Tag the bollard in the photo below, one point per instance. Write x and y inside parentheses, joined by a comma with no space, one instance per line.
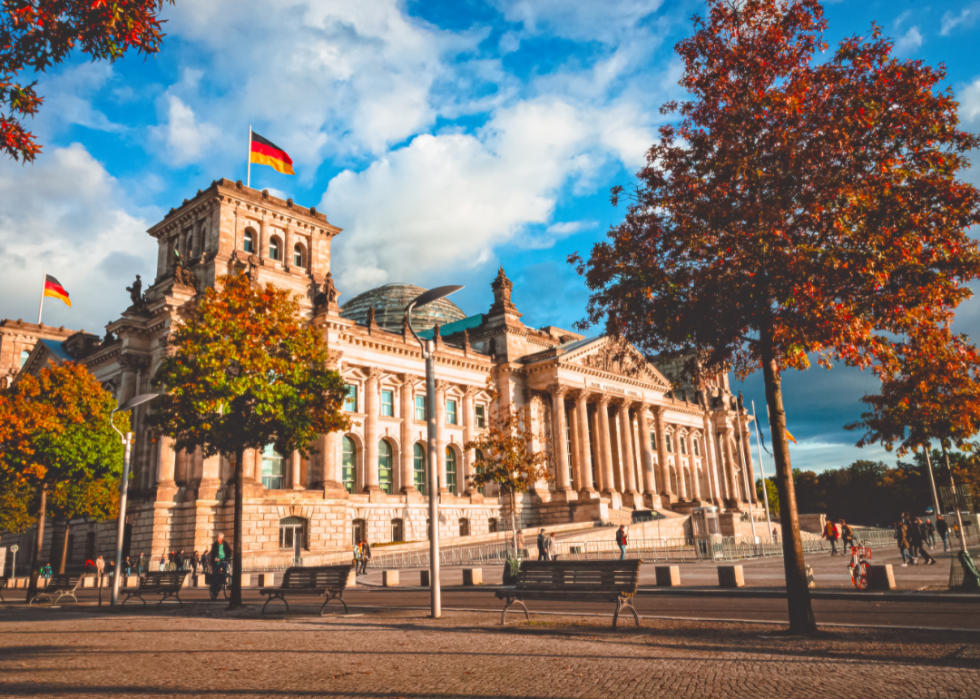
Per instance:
(352,578)
(882,578)
(267,579)
(668,576)
(389,578)
(731,576)
(472,576)
(424,578)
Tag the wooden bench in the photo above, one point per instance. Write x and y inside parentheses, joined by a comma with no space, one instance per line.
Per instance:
(324,581)
(61,585)
(167,584)
(586,581)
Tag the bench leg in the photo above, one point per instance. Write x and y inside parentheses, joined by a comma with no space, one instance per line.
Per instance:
(278,597)
(625,603)
(333,597)
(510,602)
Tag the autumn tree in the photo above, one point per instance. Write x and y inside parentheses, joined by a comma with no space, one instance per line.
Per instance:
(930,390)
(95,498)
(506,457)
(38,34)
(802,205)
(245,370)
(56,435)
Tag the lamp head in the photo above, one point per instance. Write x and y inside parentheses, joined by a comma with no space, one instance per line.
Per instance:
(136,400)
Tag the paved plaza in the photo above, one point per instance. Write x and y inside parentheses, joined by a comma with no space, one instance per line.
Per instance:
(201,651)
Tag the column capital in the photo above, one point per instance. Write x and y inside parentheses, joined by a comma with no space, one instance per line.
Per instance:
(333,359)
(374,373)
(557,390)
(579,394)
(658,410)
(470,391)
(442,385)
(604,399)
(641,406)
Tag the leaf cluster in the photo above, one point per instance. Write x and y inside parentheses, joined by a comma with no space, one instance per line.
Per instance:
(505,455)
(243,371)
(799,207)
(38,34)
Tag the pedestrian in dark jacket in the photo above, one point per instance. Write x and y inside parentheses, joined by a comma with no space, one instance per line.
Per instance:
(930,533)
(942,528)
(141,564)
(542,554)
(195,561)
(902,539)
(847,534)
(917,537)
(621,541)
(179,560)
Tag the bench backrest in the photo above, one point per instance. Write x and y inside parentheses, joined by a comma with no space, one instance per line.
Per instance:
(616,577)
(167,579)
(3,583)
(62,582)
(318,578)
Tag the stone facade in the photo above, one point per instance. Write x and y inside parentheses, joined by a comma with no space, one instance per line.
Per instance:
(618,438)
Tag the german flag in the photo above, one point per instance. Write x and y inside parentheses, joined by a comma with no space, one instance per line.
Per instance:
(54,289)
(265,152)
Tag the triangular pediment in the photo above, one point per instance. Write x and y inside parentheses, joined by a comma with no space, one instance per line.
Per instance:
(615,358)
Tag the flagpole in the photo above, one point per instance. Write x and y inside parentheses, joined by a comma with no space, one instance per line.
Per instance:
(762,472)
(248,174)
(41,305)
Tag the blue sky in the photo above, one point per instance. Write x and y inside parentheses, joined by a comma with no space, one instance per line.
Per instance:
(445,138)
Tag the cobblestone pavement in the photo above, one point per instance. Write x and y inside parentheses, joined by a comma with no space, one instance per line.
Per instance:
(198,651)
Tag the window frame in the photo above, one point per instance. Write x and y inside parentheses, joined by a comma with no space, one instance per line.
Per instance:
(248,242)
(298,524)
(351,395)
(349,484)
(451,475)
(269,455)
(452,415)
(387,408)
(386,466)
(480,416)
(669,443)
(299,250)
(25,354)
(276,244)
(420,408)
(418,474)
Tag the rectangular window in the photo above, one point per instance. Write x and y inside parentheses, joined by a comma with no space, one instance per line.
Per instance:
(451,412)
(653,441)
(350,403)
(670,446)
(273,469)
(388,403)
(697,448)
(683,443)
(420,407)
(481,416)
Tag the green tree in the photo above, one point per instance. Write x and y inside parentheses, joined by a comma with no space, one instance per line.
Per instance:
(57,434)
(16,507)
(805,204)
(88,497)
(245,370)
(772,495)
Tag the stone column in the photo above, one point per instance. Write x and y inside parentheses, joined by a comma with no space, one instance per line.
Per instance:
(711,463)
(559,436)
(295,471)
(646,453)
(440,402)
(165,464)
(210,478)
(469,433)
(408,444)
(695,481)
(371,400)
(663,471)
(605,446)
(747,451)
(584,445)
(729,455)
(626,452)
(263,240)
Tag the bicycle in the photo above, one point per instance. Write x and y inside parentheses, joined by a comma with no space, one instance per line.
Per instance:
(223,579)
(859,567)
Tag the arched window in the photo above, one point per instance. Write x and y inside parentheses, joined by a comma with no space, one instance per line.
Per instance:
(384,465)
(464,527)
(273,474)
(397,530)
(479,469)
(275,249)
(24,354)
(350,454)
(291,530)
(419,468)
(451,470)
(248,242)
(298,255)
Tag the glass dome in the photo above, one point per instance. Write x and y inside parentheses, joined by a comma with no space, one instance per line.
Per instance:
(389,302)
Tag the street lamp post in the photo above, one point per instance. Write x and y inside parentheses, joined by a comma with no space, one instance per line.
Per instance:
(428,352)
(127,441)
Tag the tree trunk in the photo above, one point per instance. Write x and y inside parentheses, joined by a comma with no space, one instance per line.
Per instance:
(235,598)
(513,521)
(801,619)
(36,555)
(64,548)
(956,498)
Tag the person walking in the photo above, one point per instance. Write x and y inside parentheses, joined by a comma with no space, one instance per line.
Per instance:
(542,554)
(179,560)
(902,539)
(552,547)
(221,553)
(830,533)
(621,541)
(163,562)
(917,537)
(847,535)
(942,528)
(99,570)
(365,556)
(520,543)
(195,561)
(127,567)
(141,564)
(357,558)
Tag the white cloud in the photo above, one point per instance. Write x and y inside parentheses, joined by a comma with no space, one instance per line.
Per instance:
(966,18)
(583,21)
(447,201)
(910,41)
(68,99)
(186,139)
(71,219)
(970,104)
